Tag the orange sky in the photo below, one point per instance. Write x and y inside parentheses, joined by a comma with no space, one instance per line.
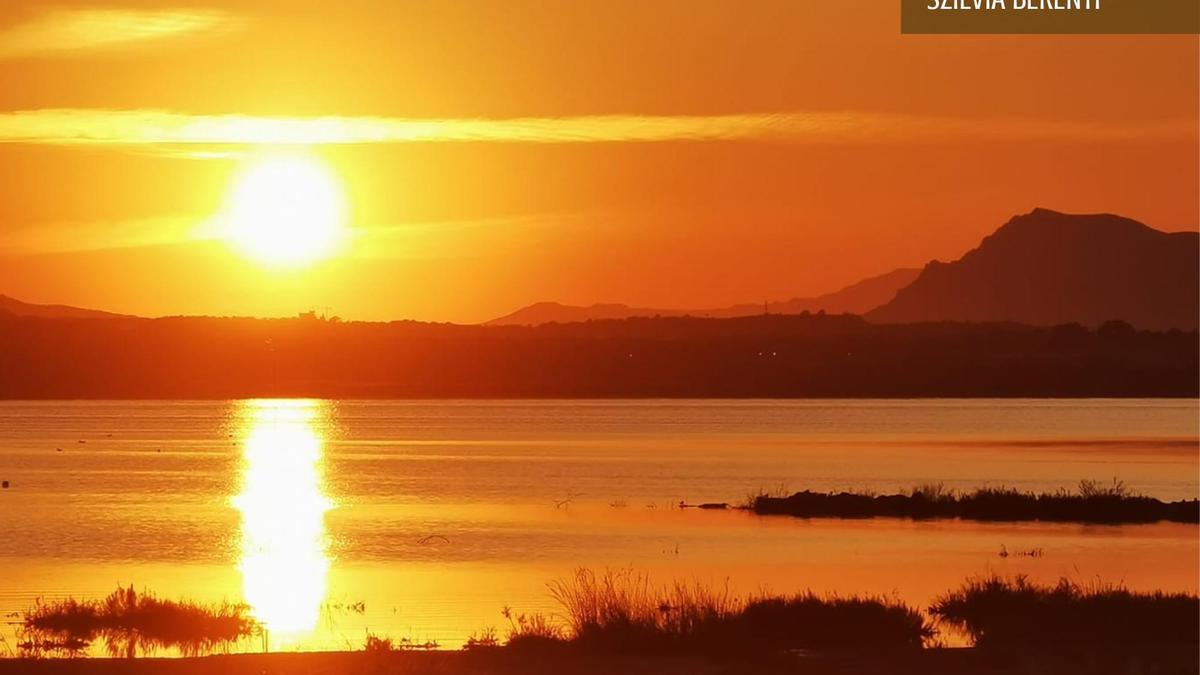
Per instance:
(887,150)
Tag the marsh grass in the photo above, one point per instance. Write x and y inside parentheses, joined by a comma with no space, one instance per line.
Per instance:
(376,644)
(1017,614)
(484,639)
(622,609)
(129,623)
(535,628)
(1090,489)
(1092,502)
(934,493)
(780,491)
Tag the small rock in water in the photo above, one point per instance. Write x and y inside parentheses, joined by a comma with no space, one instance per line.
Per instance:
(4,484)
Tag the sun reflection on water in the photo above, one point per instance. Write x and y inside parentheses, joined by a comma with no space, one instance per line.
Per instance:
(284,559)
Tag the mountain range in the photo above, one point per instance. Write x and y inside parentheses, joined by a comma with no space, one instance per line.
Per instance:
(1042,268)
(856,298)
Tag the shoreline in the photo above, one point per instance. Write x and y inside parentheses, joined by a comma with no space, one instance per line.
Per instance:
(566,661)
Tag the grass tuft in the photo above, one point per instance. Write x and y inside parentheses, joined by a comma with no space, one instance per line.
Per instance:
(130,623)
(378,645)
(484,639)
(1016,614)
(529,629)
(621,609)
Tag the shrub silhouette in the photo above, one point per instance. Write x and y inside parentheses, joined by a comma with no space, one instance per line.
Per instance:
(1016,614)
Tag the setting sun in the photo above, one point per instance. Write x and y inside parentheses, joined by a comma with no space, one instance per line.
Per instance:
(286,210)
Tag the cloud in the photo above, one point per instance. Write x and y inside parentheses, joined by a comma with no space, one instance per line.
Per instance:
(407,240)
(67,237)
(166,128)
(71,30)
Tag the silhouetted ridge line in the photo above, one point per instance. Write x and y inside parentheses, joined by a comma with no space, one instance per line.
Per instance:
(1049,268)
(856,298)
(19,308)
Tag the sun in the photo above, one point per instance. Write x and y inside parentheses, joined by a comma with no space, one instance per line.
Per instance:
(286,210)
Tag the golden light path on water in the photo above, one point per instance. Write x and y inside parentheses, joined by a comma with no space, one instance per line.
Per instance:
(283,560)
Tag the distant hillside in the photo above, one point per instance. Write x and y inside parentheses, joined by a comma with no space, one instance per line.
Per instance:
(1047,268)
(556,312)
(857,298)
(18,308)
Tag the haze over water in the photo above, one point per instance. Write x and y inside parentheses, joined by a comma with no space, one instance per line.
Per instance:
(437,514)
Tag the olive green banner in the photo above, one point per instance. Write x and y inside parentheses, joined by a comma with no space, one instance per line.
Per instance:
(1112,17)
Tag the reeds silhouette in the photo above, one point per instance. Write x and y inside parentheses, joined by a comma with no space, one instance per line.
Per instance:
(622,609)
(377,644)
(532,629)
(131,623)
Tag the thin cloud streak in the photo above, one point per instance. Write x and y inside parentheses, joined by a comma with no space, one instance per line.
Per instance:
(72,237)
(72,30)
(159,127)
(401,240)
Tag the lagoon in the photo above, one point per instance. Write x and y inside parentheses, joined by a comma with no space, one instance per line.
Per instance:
(423,519)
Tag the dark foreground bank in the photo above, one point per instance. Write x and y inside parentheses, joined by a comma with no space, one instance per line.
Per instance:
(565,661)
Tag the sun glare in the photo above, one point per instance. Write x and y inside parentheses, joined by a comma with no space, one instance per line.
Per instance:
(286,210)
(284,562)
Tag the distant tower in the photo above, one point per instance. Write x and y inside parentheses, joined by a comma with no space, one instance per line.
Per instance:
(765,311)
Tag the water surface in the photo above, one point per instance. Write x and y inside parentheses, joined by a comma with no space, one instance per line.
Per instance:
(438,514)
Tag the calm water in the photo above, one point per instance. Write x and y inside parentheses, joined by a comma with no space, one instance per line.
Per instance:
(439,514)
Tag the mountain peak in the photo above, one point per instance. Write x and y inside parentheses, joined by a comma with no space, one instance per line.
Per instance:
(1047,267)
(1089,223)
